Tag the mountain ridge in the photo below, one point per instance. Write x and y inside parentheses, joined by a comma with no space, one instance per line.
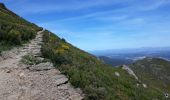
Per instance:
(156,71)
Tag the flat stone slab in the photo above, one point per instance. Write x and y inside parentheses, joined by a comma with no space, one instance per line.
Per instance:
(42,66)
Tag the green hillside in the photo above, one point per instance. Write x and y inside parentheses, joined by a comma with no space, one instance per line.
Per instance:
(14,30)
(155,72)
(97,80)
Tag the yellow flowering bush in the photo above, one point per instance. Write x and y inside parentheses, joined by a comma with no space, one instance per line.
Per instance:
(65,47)
(60,51)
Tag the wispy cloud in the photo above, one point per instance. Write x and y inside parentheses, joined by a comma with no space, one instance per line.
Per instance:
(111,15)
(153,4)
(104,24)
(40,6)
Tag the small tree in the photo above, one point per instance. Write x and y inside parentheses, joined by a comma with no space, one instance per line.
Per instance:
(63,40)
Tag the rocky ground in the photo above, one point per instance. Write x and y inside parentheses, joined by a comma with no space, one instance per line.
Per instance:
(41,81)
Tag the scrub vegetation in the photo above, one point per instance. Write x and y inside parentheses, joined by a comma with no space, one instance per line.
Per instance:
(97,80)
(14,30)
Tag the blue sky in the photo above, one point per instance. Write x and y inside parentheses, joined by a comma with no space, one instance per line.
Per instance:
(101,24)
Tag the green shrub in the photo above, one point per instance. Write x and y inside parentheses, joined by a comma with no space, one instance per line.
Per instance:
(30,60)
(14,37)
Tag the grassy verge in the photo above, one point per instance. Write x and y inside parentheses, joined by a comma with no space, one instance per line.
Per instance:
(4,47)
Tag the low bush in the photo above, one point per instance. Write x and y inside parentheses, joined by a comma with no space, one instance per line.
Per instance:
(30,60)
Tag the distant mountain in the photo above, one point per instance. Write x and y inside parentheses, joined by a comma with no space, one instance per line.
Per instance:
(115,61)
(146,50)
(153,71)
(128,56)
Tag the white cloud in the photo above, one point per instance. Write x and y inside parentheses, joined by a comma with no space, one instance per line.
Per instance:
(29,6)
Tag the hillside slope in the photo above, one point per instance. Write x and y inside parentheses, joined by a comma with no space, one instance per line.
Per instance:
(14,30)
(155,72)
(97,80)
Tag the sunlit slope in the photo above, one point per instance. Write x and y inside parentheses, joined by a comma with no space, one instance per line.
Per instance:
(155,72)
(14,30)
(97,80)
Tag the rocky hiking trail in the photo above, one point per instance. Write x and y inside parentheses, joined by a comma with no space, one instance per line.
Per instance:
(19,81)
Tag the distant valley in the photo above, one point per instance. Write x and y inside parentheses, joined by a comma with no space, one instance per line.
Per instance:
(150,65)
(129,56)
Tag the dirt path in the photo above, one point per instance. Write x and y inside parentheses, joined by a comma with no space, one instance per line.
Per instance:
(37,82)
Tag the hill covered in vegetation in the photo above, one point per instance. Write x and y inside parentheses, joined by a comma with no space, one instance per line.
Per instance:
(97,80)
(14,30)
(115,61)
(155,72)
